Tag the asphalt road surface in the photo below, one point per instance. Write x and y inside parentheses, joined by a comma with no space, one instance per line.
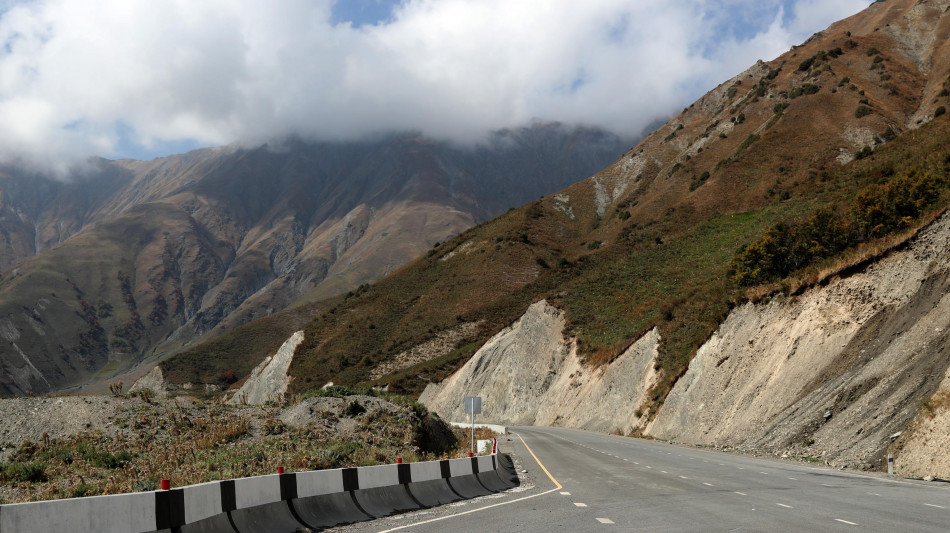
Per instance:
(581,481)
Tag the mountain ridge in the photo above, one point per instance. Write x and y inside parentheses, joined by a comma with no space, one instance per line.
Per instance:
(141,258)
(648,241)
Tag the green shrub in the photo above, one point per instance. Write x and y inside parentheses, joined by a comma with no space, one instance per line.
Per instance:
(23,471)
(698,181)
(747,143)
(354,408)
(864,152)
(862,111)
(84,489)
(940,111)
(806,64)
(877,210)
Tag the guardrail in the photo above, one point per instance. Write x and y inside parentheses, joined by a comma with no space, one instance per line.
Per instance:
(279,502)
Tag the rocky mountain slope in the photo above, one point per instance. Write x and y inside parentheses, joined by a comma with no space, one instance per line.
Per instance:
(841,140)
(649,241)
(133,259)
(834,374)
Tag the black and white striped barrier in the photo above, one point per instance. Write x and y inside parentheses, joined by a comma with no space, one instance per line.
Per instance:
(280,502)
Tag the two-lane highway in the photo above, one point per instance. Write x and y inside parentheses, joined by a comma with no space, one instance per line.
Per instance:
(587,481)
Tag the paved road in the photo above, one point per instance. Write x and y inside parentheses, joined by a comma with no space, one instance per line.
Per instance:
(583,481)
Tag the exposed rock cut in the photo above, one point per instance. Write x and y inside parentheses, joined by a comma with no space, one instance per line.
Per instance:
(922,449)
(832,373)
(154,381)
(530,374)
(268,381)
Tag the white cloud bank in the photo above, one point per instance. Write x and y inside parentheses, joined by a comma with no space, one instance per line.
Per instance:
(84,77)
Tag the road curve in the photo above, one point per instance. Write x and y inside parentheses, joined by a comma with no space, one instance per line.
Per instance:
(582,481)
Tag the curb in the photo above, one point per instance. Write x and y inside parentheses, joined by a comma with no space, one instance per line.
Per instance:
(312,499)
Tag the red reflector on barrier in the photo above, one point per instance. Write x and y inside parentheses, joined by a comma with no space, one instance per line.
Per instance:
(470,454)
(280,470)
(166,484)
(399,460)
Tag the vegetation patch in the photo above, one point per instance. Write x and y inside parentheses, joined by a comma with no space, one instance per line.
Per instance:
(878,210)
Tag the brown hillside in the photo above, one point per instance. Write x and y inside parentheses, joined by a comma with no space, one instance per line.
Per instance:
(132,260)
(649,240)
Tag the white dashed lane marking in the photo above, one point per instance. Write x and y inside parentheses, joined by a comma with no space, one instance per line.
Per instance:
(937,506)
(707,484)
(605,521)
(741,493)
(565,494)
(579,504)
(785,506)
(845,522)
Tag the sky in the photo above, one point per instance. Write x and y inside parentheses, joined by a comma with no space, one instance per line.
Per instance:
(146,78)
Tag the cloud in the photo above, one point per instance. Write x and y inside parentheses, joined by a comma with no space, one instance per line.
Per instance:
(107,77)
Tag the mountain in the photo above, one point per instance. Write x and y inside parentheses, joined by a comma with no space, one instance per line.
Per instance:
(794,171)
(128,260)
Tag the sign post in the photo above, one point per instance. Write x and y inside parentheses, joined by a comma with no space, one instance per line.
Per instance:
(473,405)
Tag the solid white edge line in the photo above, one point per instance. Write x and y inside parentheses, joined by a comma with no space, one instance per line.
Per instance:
(937,506)
(470,511)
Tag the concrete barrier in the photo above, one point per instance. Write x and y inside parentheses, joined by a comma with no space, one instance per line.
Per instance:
(280,502)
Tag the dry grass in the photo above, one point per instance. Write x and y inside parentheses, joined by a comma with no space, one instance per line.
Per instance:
(191,442)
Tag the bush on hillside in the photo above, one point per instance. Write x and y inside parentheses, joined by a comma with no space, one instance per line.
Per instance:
(878,210)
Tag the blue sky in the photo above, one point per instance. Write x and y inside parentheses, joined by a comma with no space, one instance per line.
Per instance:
(362,12)
(145,79)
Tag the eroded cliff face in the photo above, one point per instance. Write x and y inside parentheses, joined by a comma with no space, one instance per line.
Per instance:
(268,381)
(842,373)
(530,374)
(830,374)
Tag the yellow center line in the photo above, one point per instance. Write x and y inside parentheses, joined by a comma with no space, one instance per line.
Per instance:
(539,461)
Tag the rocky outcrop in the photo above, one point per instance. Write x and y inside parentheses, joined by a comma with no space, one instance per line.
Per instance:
(153,381)
(922,449)
(835,374)
(530,374)
(268,381)
(832,373)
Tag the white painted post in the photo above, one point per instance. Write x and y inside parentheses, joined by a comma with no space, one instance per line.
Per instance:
(473,404)
(890,463)
(473,431)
